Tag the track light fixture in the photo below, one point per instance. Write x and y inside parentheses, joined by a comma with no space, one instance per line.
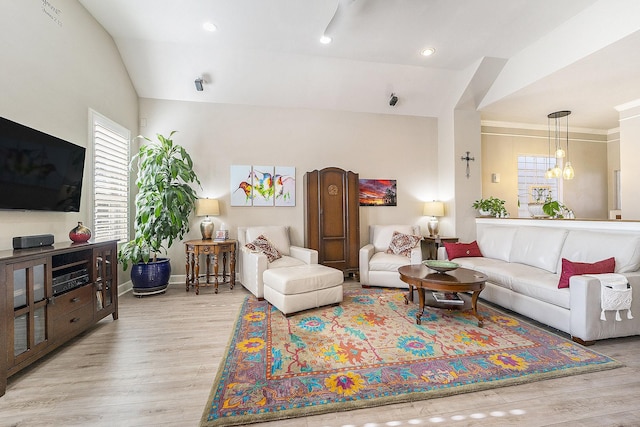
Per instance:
(393,100)
(199,83)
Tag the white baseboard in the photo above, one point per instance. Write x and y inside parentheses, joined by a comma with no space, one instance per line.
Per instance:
(176,280)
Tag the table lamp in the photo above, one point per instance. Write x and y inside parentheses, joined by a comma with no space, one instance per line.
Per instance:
(433,209)
(206,207)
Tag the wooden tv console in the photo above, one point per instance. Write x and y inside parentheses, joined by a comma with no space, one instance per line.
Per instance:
(48,295)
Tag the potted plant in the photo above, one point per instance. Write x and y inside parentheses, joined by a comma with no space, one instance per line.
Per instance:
(540,195)
(555,209)
(163,204)
(490,207)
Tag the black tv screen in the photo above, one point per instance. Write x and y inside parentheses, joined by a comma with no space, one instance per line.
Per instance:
(38,171)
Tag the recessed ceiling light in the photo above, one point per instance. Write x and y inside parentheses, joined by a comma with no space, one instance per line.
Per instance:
(209,26)
(325,39)
(428,51)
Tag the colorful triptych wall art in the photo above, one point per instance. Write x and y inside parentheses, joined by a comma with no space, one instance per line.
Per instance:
(263,186)
(378,192)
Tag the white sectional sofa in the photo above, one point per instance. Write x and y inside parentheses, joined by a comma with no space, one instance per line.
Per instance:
(523,261)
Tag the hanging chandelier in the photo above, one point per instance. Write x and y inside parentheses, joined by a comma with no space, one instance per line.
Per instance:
(556,172)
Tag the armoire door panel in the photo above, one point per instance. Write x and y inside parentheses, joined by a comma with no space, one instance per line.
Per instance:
(334,250)
(332,217)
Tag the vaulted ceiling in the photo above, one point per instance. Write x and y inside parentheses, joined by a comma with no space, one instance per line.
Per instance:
(513,60)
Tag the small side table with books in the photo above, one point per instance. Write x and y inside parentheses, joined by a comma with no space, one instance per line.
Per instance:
(432,243)
(212,249)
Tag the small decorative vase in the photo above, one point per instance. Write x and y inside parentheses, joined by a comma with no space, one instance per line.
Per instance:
(80,234)
(535,209)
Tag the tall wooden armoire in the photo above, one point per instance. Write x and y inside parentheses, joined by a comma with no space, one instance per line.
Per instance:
(332,219)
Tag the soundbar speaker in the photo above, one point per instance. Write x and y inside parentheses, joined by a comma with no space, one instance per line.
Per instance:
(24,242)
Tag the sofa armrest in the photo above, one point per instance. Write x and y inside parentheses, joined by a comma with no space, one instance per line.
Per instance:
(442,254)
(308,256)
(365,254)
(585,310)
(416,254)
(253,265)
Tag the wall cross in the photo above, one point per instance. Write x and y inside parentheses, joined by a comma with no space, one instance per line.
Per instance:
(467,159)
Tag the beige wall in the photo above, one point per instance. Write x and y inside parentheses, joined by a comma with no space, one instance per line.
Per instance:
(629,154)
(52,73)
(217,136)
(586,194)
(613,164)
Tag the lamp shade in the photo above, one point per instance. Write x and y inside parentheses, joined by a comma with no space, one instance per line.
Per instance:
(433,209)
(205,207)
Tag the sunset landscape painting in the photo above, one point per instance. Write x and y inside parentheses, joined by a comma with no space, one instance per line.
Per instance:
(378,192)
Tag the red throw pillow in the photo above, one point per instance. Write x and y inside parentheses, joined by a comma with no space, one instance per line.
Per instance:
(570,268)
(462,250)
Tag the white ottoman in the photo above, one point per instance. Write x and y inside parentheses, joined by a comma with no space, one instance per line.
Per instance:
(293,289)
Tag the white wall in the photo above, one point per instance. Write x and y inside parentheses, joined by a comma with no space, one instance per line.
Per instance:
(380,146)
(57,62)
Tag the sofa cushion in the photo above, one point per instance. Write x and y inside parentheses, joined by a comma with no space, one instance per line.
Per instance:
(543,286)
(570,268)
(401,244)
(592,246)
(458,250)
(538,247)
(262,244)
(498,272)
(286,261)
(520,278)
(278,235)
(382,261)
(303,279)
(381,235)
(495,242)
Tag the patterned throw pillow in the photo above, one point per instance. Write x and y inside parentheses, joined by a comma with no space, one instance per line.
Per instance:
(263,245)
(401,244)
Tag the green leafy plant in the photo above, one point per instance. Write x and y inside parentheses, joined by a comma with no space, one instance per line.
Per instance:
(492,205)
(164,201)
(555,209)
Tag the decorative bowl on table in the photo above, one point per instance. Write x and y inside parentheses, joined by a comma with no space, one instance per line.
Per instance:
(440,266)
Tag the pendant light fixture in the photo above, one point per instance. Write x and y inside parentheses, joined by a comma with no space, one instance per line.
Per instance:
(549,173)
(567,172)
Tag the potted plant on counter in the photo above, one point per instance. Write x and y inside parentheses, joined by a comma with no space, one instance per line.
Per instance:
(492,206)
(164,203)
(544,206)
(540,196)
(556,210)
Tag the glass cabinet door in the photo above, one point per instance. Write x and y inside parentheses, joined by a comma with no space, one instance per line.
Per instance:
(105,262)
(29,306)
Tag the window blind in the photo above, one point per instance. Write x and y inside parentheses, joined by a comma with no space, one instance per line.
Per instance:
(111,180)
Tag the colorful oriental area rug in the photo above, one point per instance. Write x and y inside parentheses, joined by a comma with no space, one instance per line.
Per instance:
(369,352)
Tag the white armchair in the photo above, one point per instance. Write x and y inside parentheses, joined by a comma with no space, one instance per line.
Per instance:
(378,268)
(253,264)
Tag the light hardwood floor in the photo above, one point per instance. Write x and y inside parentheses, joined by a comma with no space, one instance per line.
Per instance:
(155,367)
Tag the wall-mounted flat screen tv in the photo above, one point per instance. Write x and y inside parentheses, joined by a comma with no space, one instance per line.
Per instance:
(38,171)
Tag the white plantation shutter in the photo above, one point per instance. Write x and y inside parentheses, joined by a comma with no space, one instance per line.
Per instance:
(531,169)
(111,179)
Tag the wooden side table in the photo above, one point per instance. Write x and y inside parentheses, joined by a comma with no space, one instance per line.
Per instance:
(193,249)
(432,243)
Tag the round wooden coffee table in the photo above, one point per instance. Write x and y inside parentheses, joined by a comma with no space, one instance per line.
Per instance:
(458,280)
